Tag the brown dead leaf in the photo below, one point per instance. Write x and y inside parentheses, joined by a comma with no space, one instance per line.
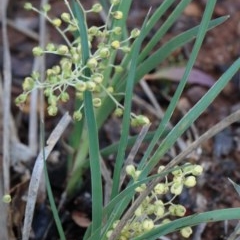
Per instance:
(193,10)
(81,219)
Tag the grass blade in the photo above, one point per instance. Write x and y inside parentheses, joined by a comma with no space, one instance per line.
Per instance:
(96,179)
(200,36)
(127,112)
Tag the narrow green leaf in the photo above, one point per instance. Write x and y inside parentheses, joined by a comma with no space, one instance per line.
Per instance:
(96,179)
(193,220)
(197,45)
(127,112)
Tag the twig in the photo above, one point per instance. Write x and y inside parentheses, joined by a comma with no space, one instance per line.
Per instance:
(134,150)
(234,117)
(37,174)
(29,33)
(6,98)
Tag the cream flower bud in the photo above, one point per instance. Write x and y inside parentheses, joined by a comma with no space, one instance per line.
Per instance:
(46,7)
(57,22)
(91,86)
(97,8)
(6,198)
(110,89)
(97,78)
(37,51)
(117,15)
(117,30)
(135,33)
(52,110)
(115,44)
(150,209)
(186,232)
(62,49)
(159,211)
(97,102)
(118,69)
(141,188)
(77,116)
(115,2)
(66,17)
(160,169)
(81,86)
(180,210)
(176,188)
(197,170)
(21,98)
(28,84)
(190,181)
(130,170)
(118,112)
(92,63)
(148,224)
(159,188)
(64,96)
(28,6)
(50,47)
(104,52)
(139,211)
(177,171)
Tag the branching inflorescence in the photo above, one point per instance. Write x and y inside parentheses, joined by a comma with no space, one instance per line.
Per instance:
(70,70)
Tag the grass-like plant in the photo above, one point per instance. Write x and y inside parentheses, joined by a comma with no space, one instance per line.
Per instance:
(138,211)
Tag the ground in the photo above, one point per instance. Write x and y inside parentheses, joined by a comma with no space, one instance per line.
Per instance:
(220,156)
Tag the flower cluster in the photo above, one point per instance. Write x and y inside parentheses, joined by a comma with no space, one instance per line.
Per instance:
(153,211)
(70,72)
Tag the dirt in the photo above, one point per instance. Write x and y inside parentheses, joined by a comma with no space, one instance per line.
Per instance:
(220,155)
